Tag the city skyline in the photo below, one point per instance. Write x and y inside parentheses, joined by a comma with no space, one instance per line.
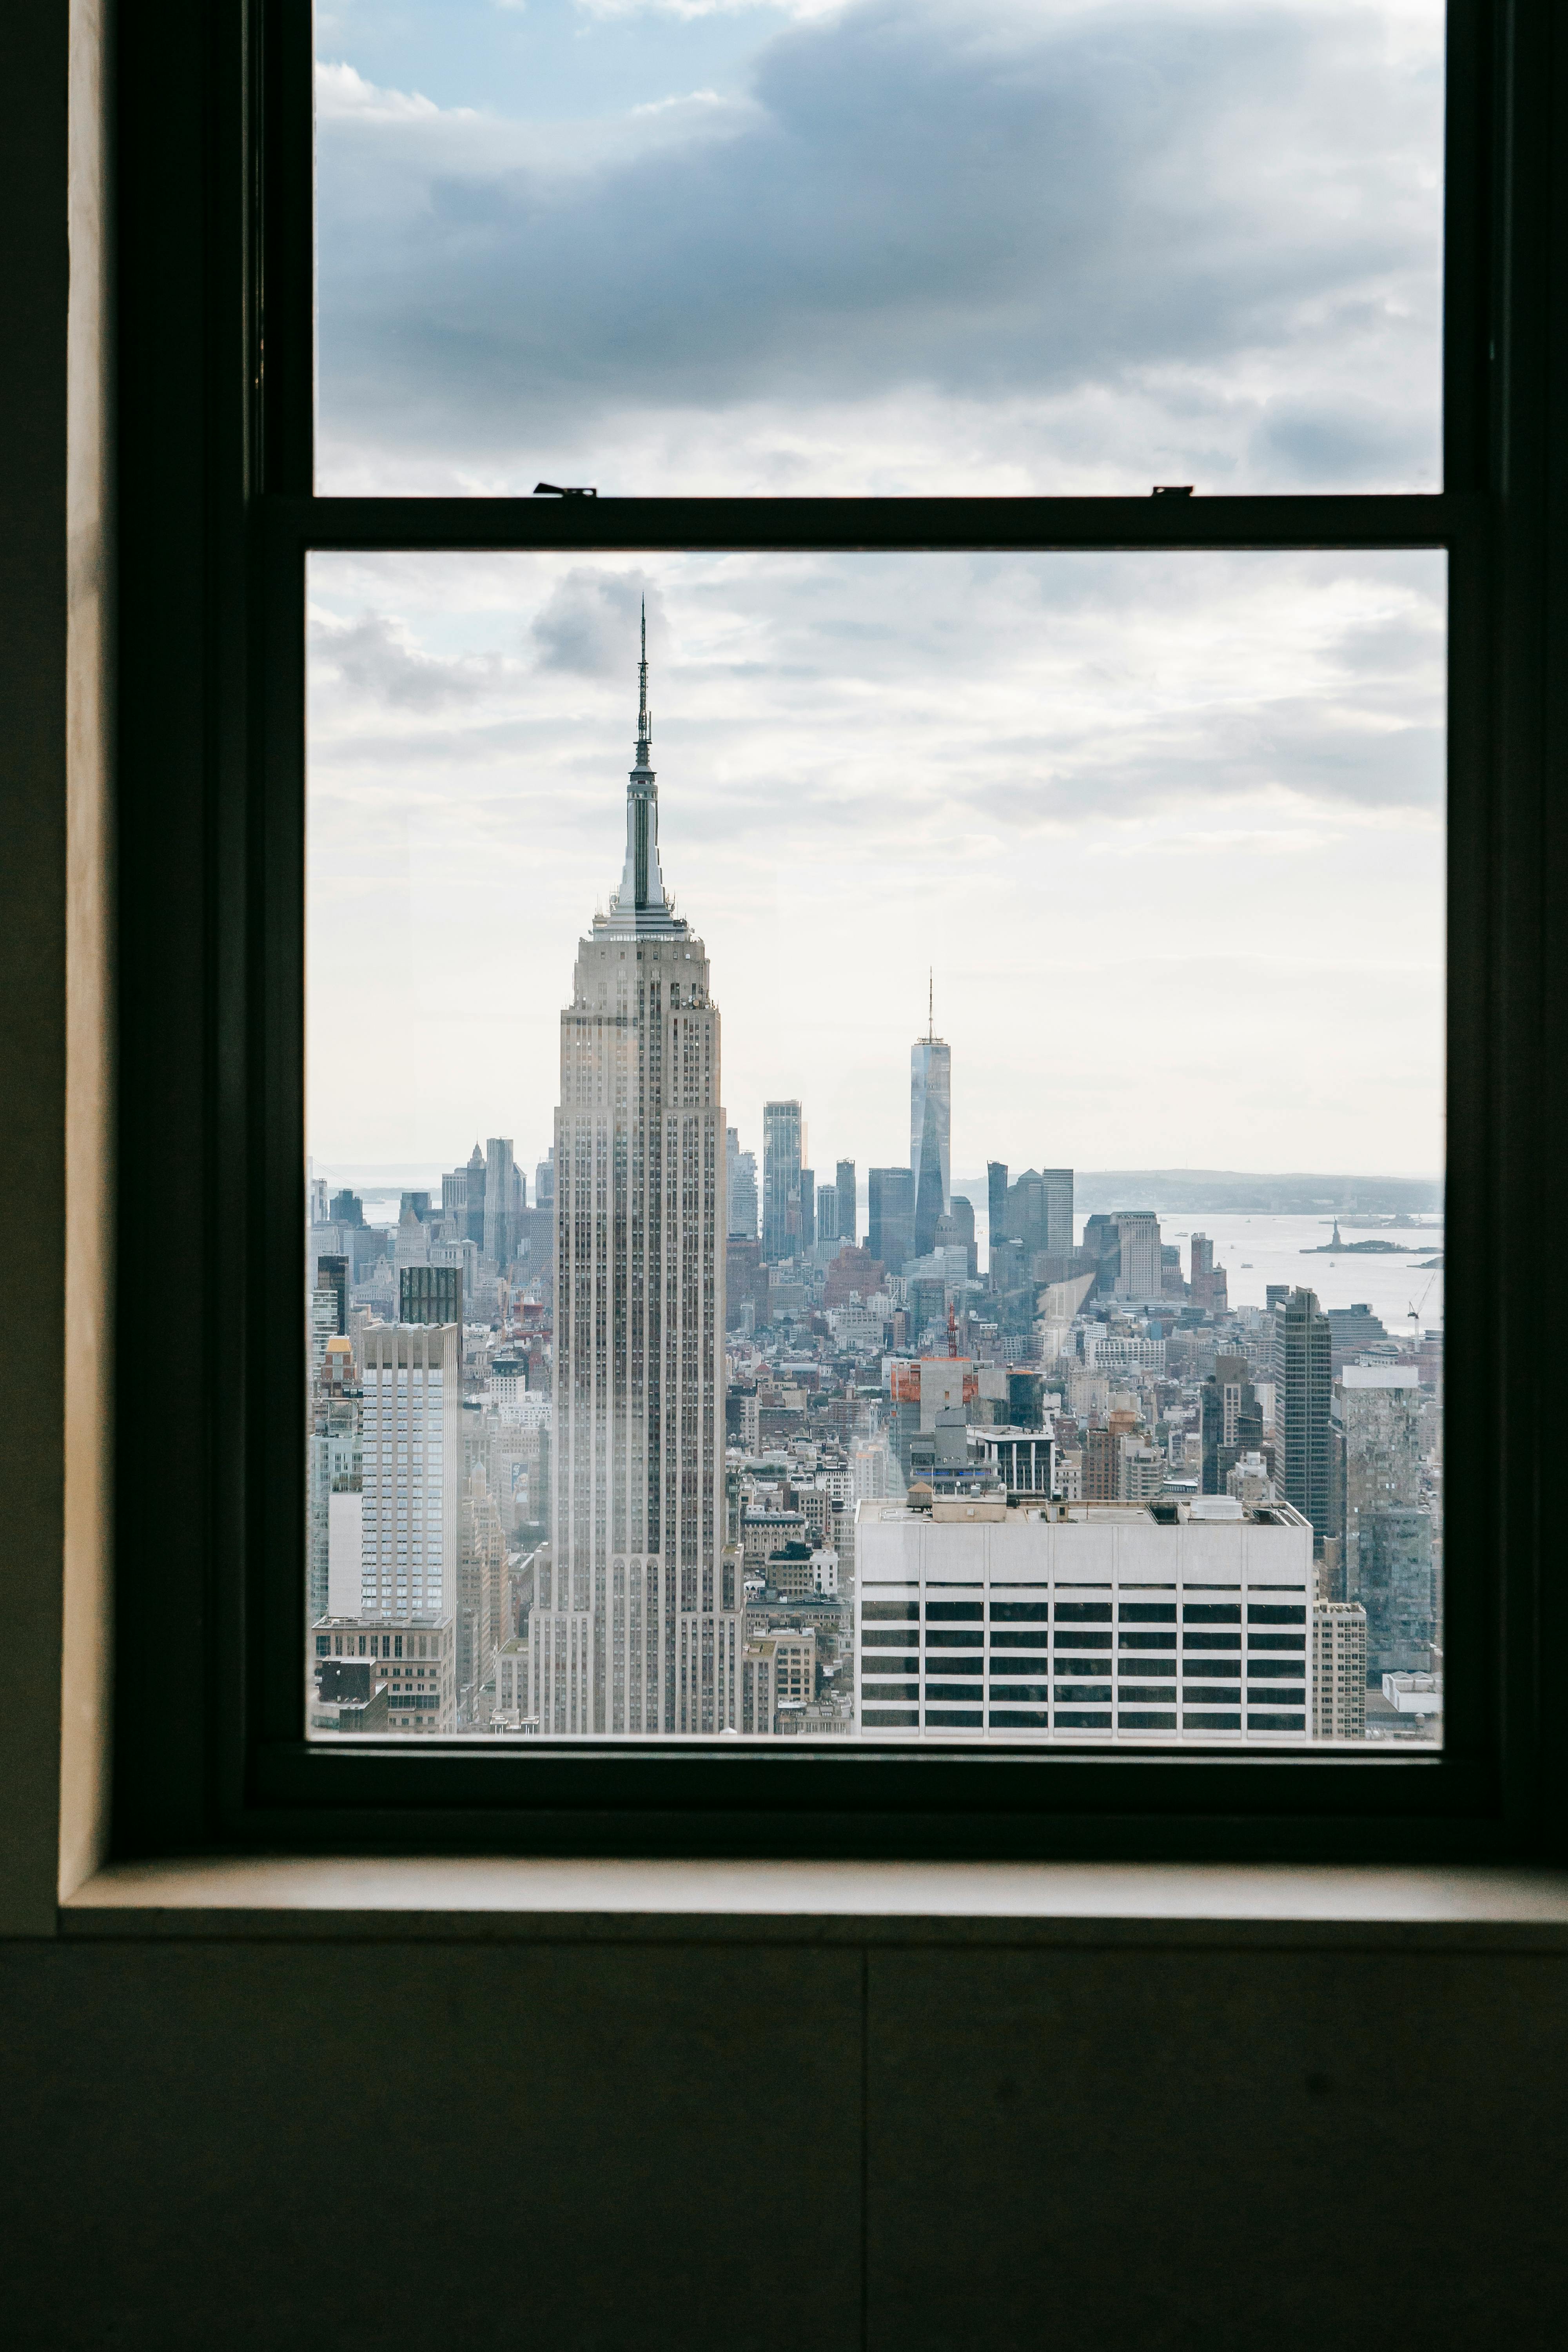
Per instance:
(885,765)
(627,1464)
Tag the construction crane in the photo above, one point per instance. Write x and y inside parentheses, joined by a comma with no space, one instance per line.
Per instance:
(1416,1309)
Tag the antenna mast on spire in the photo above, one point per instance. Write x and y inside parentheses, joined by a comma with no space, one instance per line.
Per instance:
(930,1004)
(645,721)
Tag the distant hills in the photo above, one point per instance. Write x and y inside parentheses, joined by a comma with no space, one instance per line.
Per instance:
(1211,1190)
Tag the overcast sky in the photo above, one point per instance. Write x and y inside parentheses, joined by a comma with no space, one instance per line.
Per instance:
(995,245)
(1169,829)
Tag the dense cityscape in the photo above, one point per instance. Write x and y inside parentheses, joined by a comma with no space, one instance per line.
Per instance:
(661,1442)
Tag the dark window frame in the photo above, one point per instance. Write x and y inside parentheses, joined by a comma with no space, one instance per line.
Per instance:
(215,245)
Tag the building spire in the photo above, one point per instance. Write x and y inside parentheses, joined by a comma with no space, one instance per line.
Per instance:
(645,720)
(930,1004)
(641,903)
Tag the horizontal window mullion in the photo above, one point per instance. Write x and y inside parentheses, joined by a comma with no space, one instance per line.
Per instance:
(1147,524)
(644,1797)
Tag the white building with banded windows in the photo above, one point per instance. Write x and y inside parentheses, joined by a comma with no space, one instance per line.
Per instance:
(1176,1623)
(411,1460)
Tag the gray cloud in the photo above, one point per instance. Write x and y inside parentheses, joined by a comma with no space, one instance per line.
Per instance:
(378,660)
(931,198)
(589,624)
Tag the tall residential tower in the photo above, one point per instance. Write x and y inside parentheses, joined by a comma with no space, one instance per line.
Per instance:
(633,1630)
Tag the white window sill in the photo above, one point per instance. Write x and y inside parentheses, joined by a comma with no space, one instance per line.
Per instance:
(1469,1908)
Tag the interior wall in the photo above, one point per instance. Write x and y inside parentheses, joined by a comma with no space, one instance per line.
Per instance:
(590,2145)
(35,269)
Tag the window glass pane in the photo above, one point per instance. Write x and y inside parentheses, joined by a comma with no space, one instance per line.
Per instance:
(942,1132)
(1002,245)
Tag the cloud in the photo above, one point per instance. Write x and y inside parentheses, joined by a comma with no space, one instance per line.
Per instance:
(376,659)
(588,626)
(1219,222)
(1166,826)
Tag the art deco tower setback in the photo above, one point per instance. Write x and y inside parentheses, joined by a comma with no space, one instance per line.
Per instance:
(633,1632)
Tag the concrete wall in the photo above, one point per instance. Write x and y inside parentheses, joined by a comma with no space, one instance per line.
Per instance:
(271,2144)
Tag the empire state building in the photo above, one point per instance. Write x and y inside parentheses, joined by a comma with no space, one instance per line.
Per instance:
(636,1629)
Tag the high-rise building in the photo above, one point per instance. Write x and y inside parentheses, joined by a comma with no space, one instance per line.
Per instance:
(544,1181)
(848,1201)
(1231,1420)
(784,1139)
(995,1209)
(1088,1623)
(333,1274)
(1303,1400)
(930,1122)
(891,1217)
(633,1629)
(463,1198)
(1138,1272)
(412,1461)
(807,1207)
(1339,1670)
(742,1176)
(1035,1211)
(506,1197)
(430,1294)
(1208,1286)
(333,1458)
(1381,1421)
(1396,1585)
(956,1230)
(827,1214)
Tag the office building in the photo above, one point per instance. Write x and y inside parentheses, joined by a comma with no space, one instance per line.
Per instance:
(332,1475)
(633,1630)
(1352,1329)
(1381,1421)
(506,1197)
(742,1184)
(1009,1619)
(1036,1211)
(1230,1421)
(1207,1288)
(783,1143)
(1304,1402)
(956,1230)
(412,1467)
(1339,1670)
(463,1198)
(1396,1585)
(995,1209)
(930,1123)
(848,1201)
(333,1274)
(430,1294)
(891,1217)
(544,1181)
(410,1658)
(827,1215)
(482,1588)
(807,1209)
(1138,1272)
(778,1669)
